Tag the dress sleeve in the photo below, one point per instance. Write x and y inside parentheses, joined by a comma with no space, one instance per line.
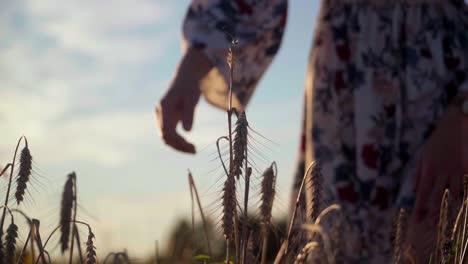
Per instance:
(257,26)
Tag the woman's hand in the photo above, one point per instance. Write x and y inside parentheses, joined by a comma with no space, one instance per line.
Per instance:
(179,102)
(443,163)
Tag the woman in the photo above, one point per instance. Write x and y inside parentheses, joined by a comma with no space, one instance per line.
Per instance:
(385,103)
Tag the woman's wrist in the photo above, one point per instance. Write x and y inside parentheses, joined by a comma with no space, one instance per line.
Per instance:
(193,67)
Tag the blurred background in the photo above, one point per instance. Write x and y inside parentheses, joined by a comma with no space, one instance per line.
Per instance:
(81,78)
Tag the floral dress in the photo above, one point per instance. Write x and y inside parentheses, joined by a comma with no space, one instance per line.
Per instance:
(381,73)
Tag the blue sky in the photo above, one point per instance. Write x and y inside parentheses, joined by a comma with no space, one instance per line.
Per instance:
(81,78)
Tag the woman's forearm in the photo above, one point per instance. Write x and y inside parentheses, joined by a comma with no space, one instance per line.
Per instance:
(192,68)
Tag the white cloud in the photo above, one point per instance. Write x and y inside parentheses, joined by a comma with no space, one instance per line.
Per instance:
(60,57)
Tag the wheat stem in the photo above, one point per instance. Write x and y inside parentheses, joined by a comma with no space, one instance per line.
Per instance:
(9,182)
(325,239)
(220,156)
(245,234)
(293,217)
(74,233)
(200,208)
(5,169)
(58,228)
(37,238)
(20,257)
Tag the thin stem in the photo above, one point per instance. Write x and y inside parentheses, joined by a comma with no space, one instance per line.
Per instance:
(56,229)
(37,239)
(33,239)
(246,203)
(156,252)
(78,243)
(108,256)
(264,244)
(20,257)
(5,169)
(9,182)
(205,228)
(227,252)
(219,154)
(192,203)
(74,219)
(293,217)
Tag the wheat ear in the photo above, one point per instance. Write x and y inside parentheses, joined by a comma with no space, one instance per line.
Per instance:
(24,173)
(91,256)
(66,212)
(229,207)
(267,198)
(294,212)
(240,144)
(10,242)
(7,196)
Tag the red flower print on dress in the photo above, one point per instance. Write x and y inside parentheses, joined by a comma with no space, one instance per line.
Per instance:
(244,7)
(348,193)
(339,81)
(381,198)
(390,110)
(451,62)
(343,51)
(370,156)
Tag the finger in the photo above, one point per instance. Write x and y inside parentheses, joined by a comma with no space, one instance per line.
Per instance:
(187,115)
(177,142)
(167,125)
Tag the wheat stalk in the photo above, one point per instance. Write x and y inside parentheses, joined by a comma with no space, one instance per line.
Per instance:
(5,205)
(267,198)
(229,207)
(316,229)
(4,169)
(442,226)
(91,256)
(399,235)
(302,256)
(24,173)
(294,212)
(240,144)
(314,192)
(245,218)
(193,188)
(325,212)
(10,242)
(66,212)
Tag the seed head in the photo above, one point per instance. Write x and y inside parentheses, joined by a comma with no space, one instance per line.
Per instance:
(229,207)
(66,211)
(10,243)
(25,168)
(267,194)
(240,144)
(90,249)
